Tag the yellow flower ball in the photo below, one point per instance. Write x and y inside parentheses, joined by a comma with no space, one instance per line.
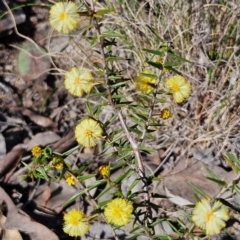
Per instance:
(179,87)
(88,132)
(118,212)
(37,151)
(210,216)
(57,162)
(165,113)
(75,223)
(103,170)
(160,61)
(64,16)
(79,80)
(70,179)
(144,84)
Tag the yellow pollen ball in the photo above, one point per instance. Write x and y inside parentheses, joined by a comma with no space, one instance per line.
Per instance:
(209,216)
(62,16)
(77,80)
(117,212)
(88,133)
(175,88)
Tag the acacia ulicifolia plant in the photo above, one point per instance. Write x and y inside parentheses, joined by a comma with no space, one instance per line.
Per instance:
(135,116)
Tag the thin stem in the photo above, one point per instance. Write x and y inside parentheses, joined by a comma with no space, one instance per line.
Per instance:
(153,100)
(133,143)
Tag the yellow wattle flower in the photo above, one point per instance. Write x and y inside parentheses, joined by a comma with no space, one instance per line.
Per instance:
(37,151)
(103,170)
(145,84)
(75,223)
(118,211)
(70,179)
(64,16)
(160,61)
(210,216)
(179,87)
(78,80)
(165,113)
(88,132)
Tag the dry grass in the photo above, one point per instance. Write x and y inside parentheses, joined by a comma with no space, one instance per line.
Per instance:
(208,35)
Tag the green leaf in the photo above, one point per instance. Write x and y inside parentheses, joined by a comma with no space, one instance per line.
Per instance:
(27,166)
(160,66)
(113,59)
(235,187)
(98,110)
(155,52)
(199,191)
(73,198)
(67,153)
(96,184)
(160,100)
(111,34)
(162,237)
(174,228)
(99,94)
(123,104)
(157,179)
(118,96)
(94,42)
(215,179)
(125,175)
(43,173)
(158,220)
(119,84)
(232,161)
(186,214)
(134,183)
(196,197)
(89,107)
(219,182)
(82,178)
(106,148)
(104,11)
(149,136)
(153,76)
(124,156)
(147,149)
(181,59)
(137,121)
(103,192)
(82,168)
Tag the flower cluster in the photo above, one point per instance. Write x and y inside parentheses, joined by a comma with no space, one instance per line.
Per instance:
(79,80)
(37,151)
(64,16)
(160,61)
(179,87)
(145,84)
(165,113)
(103,170)
(210,216)
(75,223)
(57,162)
(70,179)
(88,132)
(118,212)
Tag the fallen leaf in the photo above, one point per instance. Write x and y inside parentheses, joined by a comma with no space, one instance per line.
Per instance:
(42,139)
(22,222)
(192,171)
